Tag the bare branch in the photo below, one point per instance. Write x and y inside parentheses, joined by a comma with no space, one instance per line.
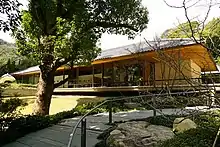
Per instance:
(172,6)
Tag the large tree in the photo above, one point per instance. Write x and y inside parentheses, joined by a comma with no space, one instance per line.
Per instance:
(58,32)
(9,11)
(181,31)
(209,35)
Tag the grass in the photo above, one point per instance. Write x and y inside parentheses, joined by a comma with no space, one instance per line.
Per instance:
(60,103)
(18,90)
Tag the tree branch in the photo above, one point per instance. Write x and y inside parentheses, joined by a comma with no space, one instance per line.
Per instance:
(61,82)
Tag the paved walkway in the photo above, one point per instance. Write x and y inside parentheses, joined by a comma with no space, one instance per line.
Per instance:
(58,135)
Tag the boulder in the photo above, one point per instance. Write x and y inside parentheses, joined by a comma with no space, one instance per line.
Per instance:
(183,124)
(138,134)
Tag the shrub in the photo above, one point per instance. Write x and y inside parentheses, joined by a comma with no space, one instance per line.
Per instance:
(199,137)
(9,107)
(12,128)
(202,136)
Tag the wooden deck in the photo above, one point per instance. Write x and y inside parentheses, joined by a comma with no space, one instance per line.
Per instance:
(137,88)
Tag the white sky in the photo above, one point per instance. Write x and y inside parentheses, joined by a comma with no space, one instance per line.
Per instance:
(161,17)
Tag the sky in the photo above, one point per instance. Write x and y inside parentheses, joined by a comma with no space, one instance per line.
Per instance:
(161,18)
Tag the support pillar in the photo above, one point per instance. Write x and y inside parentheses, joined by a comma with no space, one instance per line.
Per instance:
(103,72)
(77,76)
(145,74)
(113,74)
(33,80)
(63,76)
(83,133)
(93,70)
(211,98)
(110,111)
(22,79)
(154,105)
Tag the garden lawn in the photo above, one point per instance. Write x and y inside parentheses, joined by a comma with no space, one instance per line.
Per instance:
(59,103)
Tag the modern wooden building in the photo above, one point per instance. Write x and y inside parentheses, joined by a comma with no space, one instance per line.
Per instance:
(154,63)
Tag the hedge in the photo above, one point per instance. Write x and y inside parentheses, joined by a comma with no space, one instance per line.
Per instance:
(13,128)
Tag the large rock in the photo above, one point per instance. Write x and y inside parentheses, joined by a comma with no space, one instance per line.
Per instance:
(183,124)
(138,134)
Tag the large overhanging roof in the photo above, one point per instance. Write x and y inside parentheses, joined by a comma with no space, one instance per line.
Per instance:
(126,50)
(34,69)
(143,47)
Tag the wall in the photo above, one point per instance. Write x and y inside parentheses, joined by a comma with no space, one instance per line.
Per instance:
(175,73)
(60,78)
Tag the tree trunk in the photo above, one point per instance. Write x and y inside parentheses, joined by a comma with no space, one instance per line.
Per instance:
(44,93)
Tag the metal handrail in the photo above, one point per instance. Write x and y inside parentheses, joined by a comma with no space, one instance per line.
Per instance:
(111,99)
(202,80)
(74,129)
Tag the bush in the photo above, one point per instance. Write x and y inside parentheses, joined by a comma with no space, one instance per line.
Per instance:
(199,137)
(202,136)
(12,128)
(9,107)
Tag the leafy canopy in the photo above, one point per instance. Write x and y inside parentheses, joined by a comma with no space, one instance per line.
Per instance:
(9,11)
(54,30)
(210,34)
(181,31)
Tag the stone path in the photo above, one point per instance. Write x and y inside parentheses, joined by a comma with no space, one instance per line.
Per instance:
(58,135)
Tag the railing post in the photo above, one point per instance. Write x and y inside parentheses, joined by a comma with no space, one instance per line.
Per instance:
(83,133)
(154,104)
(110,111)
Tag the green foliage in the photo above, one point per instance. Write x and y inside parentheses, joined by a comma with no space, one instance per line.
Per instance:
(9,107)
(12,128)
(182,31)
(199,137)
(56,32)
(10,11)
(11,61)
(203,136)
(116,107)
(71,29)
(210,34)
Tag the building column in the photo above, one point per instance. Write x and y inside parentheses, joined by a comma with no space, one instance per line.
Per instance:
(33,81)
(22,79)
(77,76)
(93,70)
(63,75)
(113,73)
(146,71)
(103,72)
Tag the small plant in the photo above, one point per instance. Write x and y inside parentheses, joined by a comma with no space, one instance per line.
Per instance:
(9,107)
